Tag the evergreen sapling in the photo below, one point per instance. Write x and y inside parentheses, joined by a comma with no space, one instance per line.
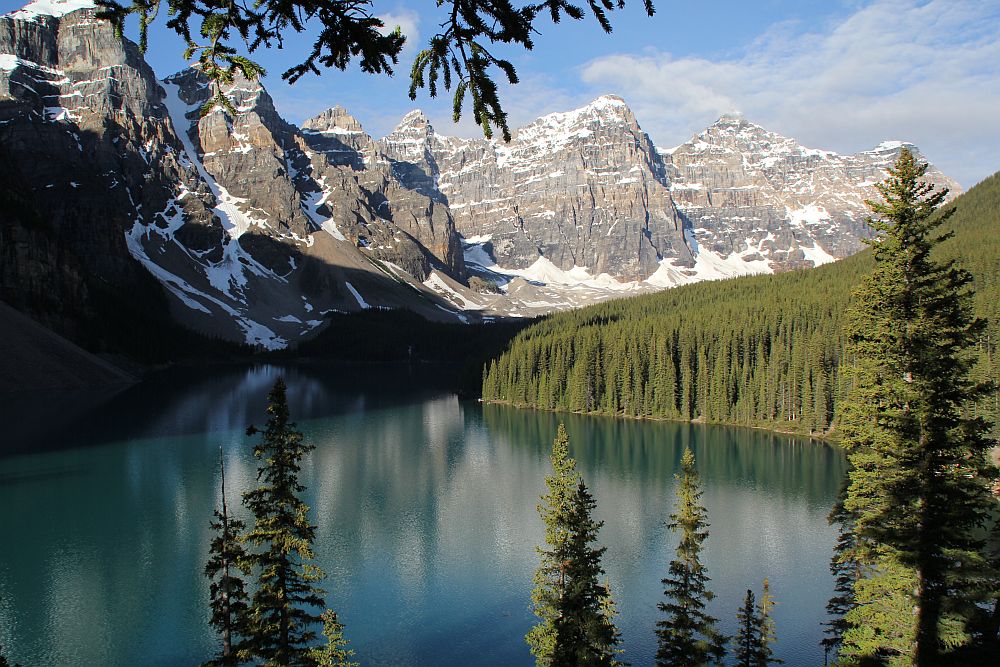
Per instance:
(688,636)
(576,613)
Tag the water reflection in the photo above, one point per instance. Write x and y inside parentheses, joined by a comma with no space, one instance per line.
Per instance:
(426,515)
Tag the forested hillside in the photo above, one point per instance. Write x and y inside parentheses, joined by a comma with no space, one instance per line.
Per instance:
(763,350)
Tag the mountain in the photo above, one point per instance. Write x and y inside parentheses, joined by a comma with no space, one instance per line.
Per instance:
(581,189)
(44,360)
(587,191)
(233,225)
(757,350)
(130,218)
(758,196)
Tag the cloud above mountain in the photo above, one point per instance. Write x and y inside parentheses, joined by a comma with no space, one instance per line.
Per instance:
(927,72)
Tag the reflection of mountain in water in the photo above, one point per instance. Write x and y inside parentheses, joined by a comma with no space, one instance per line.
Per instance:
(217,398)
(426,514)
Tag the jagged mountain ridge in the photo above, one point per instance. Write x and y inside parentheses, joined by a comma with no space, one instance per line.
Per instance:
(250,235)
(255,228)
(587,188)
(758,195)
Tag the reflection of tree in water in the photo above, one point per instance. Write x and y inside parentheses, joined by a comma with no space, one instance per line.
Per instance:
(651,450)
(212,399)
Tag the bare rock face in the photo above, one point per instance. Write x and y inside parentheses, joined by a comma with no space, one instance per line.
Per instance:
(582,189)
(402,208)
(81,123)
(271,193)
(755,195)
(246,227)
(114,178)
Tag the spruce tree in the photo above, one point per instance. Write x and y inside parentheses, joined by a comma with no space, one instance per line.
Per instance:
(766,629)
(281,616)
(335,653)
(688,635)
(228,592)
(609,632)
(919,489)
(575,610)
(747,640)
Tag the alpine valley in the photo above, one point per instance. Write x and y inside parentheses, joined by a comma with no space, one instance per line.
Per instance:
(119,197)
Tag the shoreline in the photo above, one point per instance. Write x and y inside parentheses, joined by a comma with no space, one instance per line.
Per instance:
(829,438)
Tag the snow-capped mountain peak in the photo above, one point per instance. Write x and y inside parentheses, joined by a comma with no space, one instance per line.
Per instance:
(54,8)
(252,228)
(335,120)
(415,121)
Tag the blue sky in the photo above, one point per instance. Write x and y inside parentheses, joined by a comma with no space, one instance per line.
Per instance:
(840,75)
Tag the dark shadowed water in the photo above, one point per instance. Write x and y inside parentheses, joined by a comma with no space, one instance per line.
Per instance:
(426,511)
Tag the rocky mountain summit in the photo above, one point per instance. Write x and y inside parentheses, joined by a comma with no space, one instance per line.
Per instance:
(120,197)
(582,189)
(233,222)
(759,196)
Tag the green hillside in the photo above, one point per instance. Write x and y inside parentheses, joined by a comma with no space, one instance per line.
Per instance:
(760,350)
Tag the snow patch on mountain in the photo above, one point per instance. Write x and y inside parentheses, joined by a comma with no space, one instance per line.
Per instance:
(54,8)
(357,296)
(254,332)
(440,285)
(234,221)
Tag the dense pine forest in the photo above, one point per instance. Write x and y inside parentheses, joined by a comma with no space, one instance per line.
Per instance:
(759,351)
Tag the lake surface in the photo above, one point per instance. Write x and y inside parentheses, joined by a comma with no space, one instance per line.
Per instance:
(426,508)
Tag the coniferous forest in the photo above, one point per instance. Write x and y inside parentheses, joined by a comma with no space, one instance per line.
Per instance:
(760,351)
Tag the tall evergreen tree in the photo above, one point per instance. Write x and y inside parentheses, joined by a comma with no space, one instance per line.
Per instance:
(610,634)
(756,631)
(282,615)
(767,633)
(919,488)
(688,635)
(228,592)
(747,640)
(575,610)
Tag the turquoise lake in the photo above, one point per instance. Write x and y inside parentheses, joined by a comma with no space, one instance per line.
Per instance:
(426,513)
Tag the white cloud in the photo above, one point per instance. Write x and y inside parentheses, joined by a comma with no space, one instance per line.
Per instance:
(923,71)
(409,22)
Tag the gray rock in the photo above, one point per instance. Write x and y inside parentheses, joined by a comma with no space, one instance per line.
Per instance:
(254,228)
(758,195)
(584,188)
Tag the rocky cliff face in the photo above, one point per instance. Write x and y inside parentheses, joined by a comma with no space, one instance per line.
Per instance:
(754,195)
(581,189)
(292,235)
(81,123)
(401,209)
(246,227)
(231,219)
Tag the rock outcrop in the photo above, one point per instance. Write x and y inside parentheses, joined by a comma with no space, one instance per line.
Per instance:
(125,185)
(400,209)
(756,195)
(87,144)
(584,188)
